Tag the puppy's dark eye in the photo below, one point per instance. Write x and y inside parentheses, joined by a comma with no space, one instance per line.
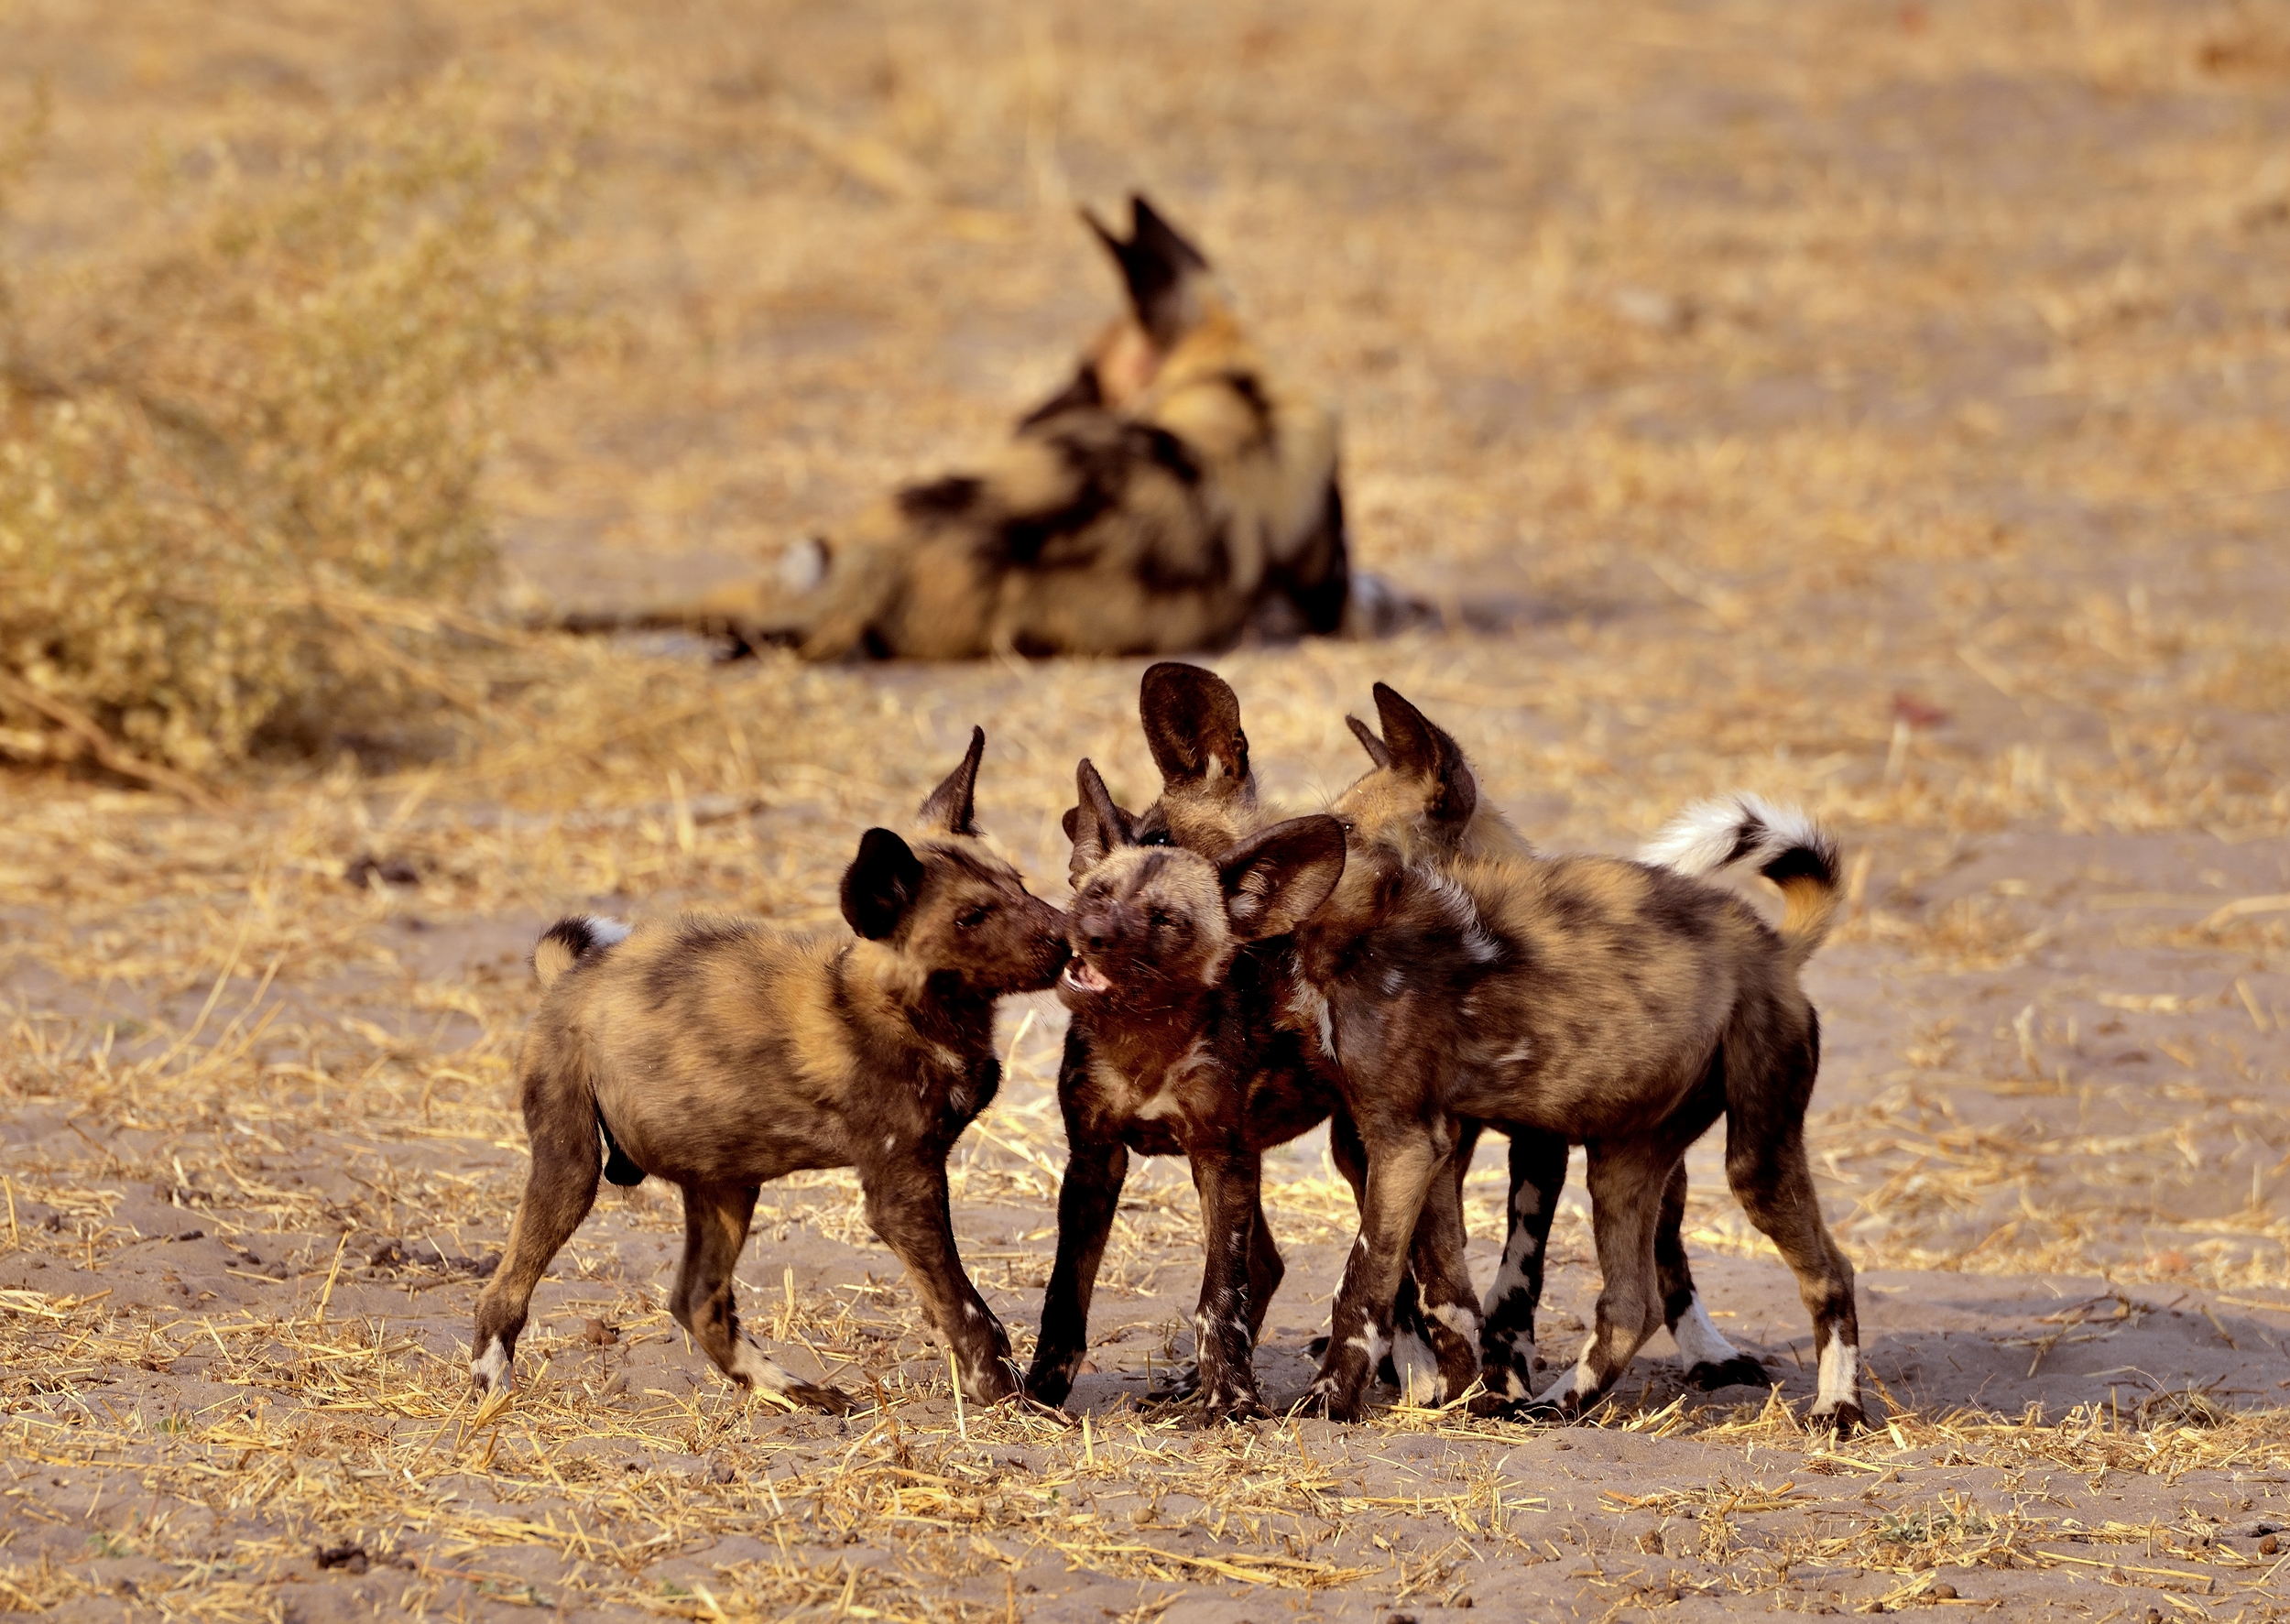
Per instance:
(1155,837)
(976,917)
(1159,919)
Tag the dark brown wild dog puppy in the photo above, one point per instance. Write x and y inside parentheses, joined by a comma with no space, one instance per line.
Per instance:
(1209,805)
(719,1054)
(1622,1003)
(1174,1051)
(1174,491)
(1420,776)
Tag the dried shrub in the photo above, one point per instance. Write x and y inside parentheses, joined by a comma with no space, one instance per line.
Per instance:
(239,479)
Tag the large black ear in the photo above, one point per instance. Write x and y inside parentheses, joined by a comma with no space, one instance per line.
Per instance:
(1277,878)
(953,806)
(1097,827)
(1191,720)
(1420,747)
(881,885)
(1369,741)
(1155,262)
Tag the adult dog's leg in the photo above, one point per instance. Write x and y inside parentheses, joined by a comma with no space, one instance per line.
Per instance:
(717,1217)
(1087,1198)
(1538,1172)
(1711,1361)
(906,1206)
(560,1188)
(1402,1163)
(1626,1184)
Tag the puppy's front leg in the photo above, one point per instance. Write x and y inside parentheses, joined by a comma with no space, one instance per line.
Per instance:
(1401,1162)
(1228,1175)
(907,1207)
(1538,1174)
(1095,1168)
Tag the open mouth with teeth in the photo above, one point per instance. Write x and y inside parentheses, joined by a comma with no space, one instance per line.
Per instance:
(1084,977)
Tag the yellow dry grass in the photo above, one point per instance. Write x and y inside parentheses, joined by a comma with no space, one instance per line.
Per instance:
(1883,409)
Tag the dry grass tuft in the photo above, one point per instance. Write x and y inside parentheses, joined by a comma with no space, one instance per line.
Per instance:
(239,477)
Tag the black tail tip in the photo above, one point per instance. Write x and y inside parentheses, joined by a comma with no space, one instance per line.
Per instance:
(575,933)
(1816,862)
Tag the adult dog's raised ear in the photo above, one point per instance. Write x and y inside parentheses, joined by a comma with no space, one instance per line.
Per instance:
(1191,720)
(1278,877)
(953,806)
(881,885)
(1157,264)
(1420,749)
(1097,827)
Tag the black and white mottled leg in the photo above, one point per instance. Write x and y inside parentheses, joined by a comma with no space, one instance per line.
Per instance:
(1626,1184)
(1538,1172)
(717,1217)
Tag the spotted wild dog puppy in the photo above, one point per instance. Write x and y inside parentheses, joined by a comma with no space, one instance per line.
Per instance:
(1623,1005)
(1172,1021)
(720,1053)
(1208,803)
(1420,779)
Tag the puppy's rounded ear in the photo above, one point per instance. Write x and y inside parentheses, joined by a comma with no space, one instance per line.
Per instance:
(1277,878)
(953,806)
(881,885)
(1423,749)
(1369,741)
(1191,720)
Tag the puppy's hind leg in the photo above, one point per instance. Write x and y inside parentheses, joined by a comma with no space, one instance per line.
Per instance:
(560,1188)
(1626,1184)
(1711,1361)
(716,1228)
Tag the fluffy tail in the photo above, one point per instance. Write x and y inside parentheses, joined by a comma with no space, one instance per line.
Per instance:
(571,940)
(1783,843)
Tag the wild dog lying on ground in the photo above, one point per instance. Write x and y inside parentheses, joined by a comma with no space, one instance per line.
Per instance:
(1173,1051)
(1420,777)
(719,1053)
(1624,1005)
(1175,491)
(1110,1082)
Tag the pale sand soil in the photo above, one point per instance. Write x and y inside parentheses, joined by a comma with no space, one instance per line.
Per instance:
(1883,407)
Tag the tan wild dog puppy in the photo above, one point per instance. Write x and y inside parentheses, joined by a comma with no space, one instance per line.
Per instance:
(1622,1005)
(1175,492)
(720,1053)
(1421,779)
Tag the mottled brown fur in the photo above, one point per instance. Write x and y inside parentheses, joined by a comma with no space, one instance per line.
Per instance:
(1619,1004)
(721,1054)
(1173,1051)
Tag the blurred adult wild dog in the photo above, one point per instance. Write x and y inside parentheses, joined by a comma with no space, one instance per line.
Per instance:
(1176,491)
(719,1053)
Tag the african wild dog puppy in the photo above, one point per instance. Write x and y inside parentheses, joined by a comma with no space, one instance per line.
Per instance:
(1175,491)
(719,1053)
(1624,1005)
(1420,777)
(1208,804)
(1172,1021)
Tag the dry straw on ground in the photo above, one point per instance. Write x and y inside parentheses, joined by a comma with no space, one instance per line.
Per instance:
(1880,407)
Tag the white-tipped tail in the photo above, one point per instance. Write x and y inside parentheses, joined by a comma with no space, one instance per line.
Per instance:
(572,938)
(1781,843)
(1735,829)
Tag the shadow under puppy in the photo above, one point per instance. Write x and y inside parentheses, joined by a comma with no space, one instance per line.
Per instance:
(720,1053)
(1167,1055)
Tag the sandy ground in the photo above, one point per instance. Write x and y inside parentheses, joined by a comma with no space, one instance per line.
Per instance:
(1881,406)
